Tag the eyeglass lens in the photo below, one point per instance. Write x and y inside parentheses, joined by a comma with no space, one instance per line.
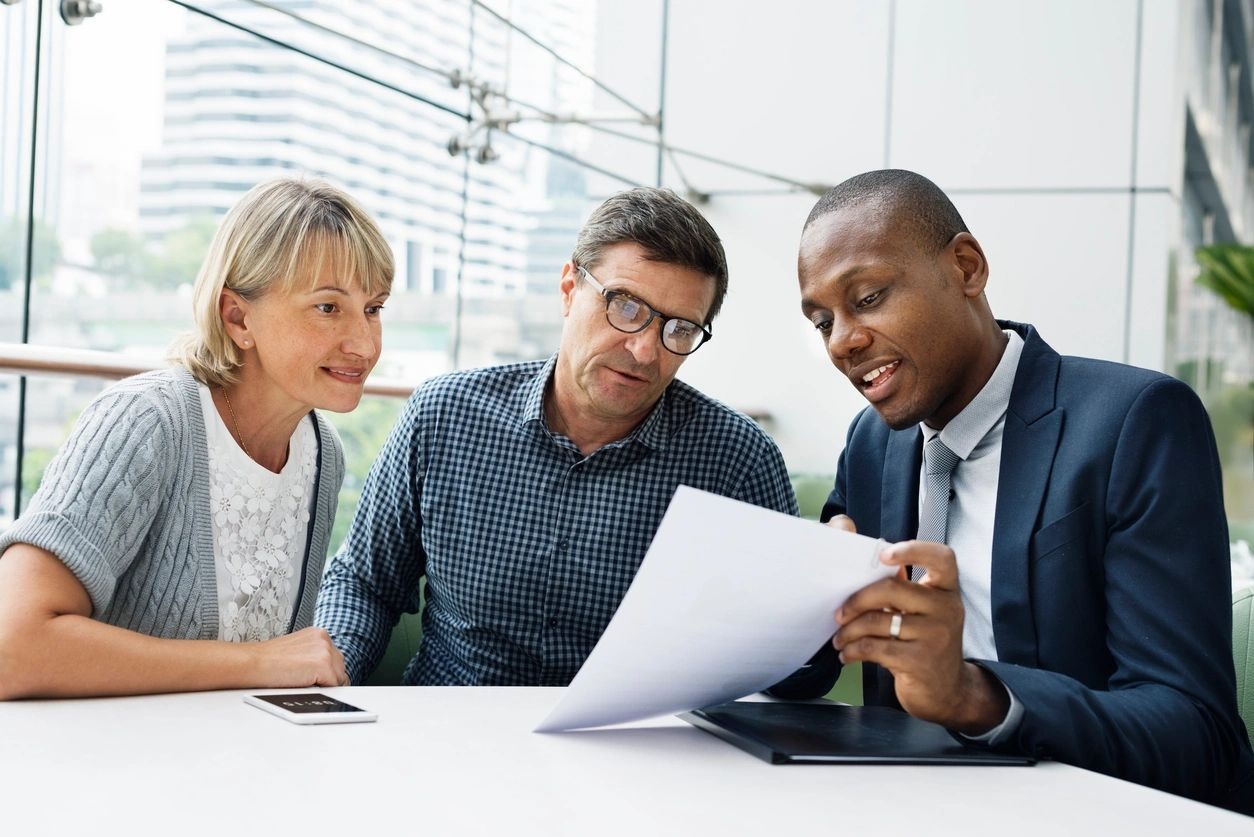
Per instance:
(628,314)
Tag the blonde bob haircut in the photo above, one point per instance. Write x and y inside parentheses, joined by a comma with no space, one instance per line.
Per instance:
(283,235)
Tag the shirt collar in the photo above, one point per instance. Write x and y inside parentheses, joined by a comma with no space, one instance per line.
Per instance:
(653,432)
(533,394)
(965,430)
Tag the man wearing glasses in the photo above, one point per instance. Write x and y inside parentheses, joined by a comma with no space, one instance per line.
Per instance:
(527,494)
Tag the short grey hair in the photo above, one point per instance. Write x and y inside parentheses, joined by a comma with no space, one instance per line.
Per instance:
(667,227)
(279,236)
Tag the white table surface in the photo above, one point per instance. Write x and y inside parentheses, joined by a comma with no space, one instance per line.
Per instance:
(464,761)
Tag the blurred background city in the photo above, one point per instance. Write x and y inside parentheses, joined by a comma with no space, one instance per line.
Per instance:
(1091,147)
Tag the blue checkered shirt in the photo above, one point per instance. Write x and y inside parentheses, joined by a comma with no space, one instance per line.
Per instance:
(527,545)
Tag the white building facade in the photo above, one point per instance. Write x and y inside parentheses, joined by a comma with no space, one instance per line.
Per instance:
(1089,146)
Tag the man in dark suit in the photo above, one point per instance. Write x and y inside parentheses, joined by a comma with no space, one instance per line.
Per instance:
(1072,571)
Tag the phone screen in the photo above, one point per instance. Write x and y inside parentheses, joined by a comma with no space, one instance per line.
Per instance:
(308,704)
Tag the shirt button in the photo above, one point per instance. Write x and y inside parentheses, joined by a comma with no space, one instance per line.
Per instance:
(563,545)
(552,622)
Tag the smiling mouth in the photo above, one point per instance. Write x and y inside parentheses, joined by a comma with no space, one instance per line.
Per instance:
(878,377)
(350,376)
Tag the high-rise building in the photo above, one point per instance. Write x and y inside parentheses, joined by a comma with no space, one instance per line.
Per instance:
(239,109)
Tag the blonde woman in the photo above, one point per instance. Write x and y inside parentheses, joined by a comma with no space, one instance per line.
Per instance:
(177,540)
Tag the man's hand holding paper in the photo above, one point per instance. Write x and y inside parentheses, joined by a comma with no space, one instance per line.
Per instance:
(915,631)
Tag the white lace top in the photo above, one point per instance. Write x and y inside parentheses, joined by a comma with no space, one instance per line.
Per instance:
(260,528)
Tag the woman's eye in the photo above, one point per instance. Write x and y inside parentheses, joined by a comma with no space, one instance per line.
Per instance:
(374,310)
(823,326)
(326,307)
(869,299)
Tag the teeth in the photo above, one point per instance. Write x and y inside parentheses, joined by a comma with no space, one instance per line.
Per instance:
(875,373)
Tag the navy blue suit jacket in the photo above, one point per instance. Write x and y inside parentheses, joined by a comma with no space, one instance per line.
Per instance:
(1111,578)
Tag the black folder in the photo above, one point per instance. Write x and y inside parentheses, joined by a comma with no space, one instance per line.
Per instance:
(830,733)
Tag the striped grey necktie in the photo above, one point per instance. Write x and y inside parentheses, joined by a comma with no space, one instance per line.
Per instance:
(938,468)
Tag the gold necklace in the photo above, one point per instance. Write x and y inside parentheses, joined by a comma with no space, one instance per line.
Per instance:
(234,423)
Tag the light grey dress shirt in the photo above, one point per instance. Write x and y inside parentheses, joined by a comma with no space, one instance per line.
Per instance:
(975,435)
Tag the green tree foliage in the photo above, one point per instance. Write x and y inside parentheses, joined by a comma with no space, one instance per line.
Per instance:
(1228,270)
(363,433)
(1231,409)
(166,264)
(45,255)
(182,254)
(119,253)
(34,463)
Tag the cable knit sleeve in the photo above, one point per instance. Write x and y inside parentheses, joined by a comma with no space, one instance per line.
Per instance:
(96,501)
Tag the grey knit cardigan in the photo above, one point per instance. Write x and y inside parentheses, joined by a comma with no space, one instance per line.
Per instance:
(125,505)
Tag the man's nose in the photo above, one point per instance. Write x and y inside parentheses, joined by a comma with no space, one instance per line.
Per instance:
(846,339)
(645,344)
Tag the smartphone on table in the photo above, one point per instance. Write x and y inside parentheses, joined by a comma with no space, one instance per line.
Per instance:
(310,708)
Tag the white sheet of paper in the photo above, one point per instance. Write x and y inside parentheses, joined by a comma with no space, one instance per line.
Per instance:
(730,599)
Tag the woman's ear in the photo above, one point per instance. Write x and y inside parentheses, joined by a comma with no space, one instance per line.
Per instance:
(233,309)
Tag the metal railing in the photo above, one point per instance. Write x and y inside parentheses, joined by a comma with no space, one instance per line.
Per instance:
(30,359)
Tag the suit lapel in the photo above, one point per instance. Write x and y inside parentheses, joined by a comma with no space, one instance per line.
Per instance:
(899,501)
(1029,442)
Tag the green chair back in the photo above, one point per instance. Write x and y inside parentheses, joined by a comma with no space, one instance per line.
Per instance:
(811,491)
(1243,655)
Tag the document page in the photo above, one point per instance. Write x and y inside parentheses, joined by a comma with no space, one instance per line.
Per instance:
(730,599)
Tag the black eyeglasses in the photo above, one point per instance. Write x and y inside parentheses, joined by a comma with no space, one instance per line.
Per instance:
(631,315)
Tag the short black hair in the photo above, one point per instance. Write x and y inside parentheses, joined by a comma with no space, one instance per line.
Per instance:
(668,228)
(897,196)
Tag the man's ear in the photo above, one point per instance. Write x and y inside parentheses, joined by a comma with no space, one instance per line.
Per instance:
(968,259)
(234,310)
(570,280)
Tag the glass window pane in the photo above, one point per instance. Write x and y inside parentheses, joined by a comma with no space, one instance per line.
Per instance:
(17,97)
(132,186)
